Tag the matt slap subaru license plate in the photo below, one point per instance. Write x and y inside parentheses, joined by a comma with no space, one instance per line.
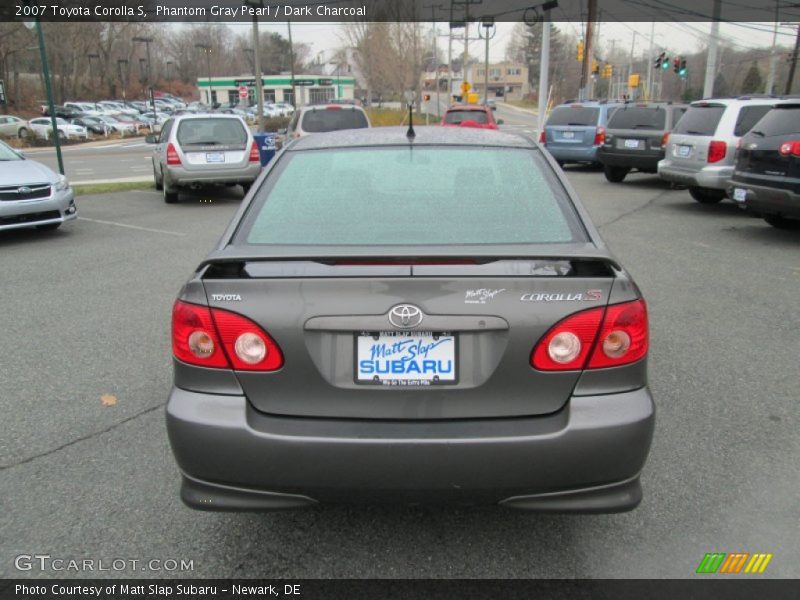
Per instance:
(215,157)
(412,358)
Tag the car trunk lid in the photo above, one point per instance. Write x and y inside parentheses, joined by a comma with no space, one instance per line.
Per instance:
(490,313)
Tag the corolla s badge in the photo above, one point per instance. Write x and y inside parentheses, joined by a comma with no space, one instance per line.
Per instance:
(405,316)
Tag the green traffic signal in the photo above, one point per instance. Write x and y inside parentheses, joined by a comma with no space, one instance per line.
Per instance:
(665,64)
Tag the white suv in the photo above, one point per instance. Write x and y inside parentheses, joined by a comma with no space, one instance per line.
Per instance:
(701,147)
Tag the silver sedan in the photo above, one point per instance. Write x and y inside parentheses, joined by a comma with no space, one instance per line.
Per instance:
(32,195)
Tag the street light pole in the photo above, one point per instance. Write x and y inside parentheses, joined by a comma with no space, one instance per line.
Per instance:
(257,69)
(486,25)
(49,91)
(291,66)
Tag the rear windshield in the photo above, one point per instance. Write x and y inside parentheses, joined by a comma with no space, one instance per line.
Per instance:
(700,120)
(574,115)
(749,116)
(400,196)
(780,121)
(328,119)
(458,116)
(638,117)
(228,132)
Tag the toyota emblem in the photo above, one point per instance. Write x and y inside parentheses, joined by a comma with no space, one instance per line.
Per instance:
(405,316)
(24,190)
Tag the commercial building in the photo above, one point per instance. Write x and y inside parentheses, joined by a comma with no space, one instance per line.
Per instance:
(310,89)
(509,80)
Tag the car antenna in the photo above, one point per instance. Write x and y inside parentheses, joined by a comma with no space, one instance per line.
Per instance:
(410,134)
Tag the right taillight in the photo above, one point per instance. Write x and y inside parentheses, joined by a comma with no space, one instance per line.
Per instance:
(716,151)
(790,148)
(542,137)
(594,339)
(220,339)
(172,155)
(254,156)
(664,139)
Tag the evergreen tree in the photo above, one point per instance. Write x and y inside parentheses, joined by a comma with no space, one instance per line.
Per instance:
(752,81)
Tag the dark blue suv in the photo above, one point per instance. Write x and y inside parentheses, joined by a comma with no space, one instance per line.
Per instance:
(575,130)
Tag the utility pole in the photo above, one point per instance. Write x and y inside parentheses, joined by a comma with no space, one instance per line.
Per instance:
(259,81)
(773,58)
(585,88)
(207,49)
(650,58)
(790,79)
(291,60)
(613,74)
(544,69)
(711,61)
(630,67)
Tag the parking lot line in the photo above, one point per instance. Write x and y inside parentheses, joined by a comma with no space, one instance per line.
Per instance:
(178,233)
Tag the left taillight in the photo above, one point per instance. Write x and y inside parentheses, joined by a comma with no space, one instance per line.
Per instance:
(219,339)
(790,148)
(542,137)
(596,338)
(254,157)
(172,155)
(664,139)
(600,136)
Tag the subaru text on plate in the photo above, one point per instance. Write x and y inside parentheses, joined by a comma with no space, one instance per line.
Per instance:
(422,319)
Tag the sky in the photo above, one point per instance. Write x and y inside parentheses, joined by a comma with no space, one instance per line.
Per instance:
(675,38)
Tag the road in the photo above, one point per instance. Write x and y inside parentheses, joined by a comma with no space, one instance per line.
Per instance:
(85,317)
(100,161)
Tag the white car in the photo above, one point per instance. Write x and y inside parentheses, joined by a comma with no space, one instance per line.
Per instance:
(11,126)
(285,107)
(43,127)
(118,108)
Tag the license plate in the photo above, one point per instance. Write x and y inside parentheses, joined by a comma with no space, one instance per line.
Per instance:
(739,194)
(567,135)
(398,358)
(631,143)
(683,151)
(215,157)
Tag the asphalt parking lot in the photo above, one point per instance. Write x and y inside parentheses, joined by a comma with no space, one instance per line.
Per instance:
(84,315)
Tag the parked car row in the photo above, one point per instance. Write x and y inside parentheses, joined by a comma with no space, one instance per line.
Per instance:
(746,149)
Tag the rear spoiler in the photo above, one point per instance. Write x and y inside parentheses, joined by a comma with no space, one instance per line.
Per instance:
(452,266)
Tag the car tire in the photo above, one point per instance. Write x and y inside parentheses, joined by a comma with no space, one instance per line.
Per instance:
(782,222)
(615,174)
(48,227)
(23,133)
(246,187)
(706,196)
(170,195)
(159,182)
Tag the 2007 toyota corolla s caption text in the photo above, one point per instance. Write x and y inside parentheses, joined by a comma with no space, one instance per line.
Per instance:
(411,319)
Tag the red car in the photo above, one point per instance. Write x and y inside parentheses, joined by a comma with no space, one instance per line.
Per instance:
(469,115)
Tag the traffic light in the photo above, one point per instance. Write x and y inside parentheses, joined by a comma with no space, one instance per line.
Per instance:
(676,64)
(595,67)
(665,61)
(580,50)
(660,60)
(608,71)
(683,71)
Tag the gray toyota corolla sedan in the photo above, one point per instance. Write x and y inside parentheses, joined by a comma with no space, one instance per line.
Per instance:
(412,319)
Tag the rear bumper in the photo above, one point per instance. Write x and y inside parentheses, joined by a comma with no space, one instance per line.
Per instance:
(177,176)
(58,208)
(768,200)
(641,160)
(585,458)
(708,177)
(573,154)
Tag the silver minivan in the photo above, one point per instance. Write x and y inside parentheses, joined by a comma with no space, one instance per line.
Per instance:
(701,147)
(197,150)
